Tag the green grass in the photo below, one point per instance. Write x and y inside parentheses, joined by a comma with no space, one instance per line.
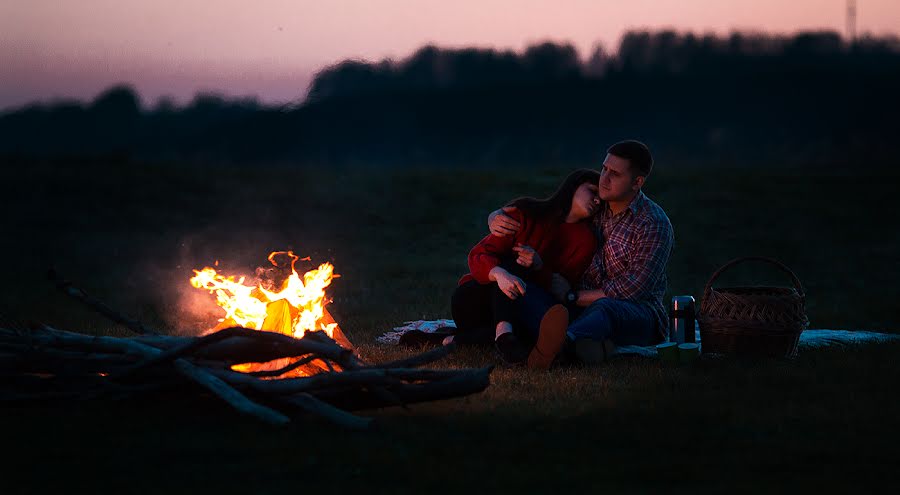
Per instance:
(130,235)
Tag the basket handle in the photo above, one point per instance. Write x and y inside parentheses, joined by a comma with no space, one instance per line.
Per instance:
(754,258)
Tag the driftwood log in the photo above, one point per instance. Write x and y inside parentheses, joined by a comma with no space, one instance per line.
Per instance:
(44,364)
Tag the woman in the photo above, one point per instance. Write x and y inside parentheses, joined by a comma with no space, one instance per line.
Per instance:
(556,237)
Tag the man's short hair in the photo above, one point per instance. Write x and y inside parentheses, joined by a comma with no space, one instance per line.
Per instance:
(637,154)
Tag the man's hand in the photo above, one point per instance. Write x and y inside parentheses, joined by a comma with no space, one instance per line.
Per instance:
(528,257)
(508,283)
(501,224)
(559,287)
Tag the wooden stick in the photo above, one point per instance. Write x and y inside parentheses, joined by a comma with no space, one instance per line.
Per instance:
(297,346)
(196,374)
(354,378)
(61,339)
(163,342)
(238,345)
(425,358)
(337,416)
(43,351)
(243,345)
(96,305)
(239,350)
(284,369)
(230,395)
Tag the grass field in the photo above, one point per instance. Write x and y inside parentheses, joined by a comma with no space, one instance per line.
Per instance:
(131,233)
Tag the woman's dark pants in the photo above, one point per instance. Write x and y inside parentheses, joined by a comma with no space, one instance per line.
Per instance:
(477,309)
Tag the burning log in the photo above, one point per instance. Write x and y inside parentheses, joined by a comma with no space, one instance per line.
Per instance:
(44,364)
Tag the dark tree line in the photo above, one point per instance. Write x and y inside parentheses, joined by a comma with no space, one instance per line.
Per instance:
(743,99)
(432,68)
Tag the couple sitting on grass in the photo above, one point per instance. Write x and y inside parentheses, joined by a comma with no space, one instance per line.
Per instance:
(573,275)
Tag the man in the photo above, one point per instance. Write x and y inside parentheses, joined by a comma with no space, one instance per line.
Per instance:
(620,300)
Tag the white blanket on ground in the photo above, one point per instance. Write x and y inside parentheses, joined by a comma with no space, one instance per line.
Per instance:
(809,338)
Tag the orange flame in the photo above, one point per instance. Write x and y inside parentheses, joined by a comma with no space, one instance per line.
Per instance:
(252,306)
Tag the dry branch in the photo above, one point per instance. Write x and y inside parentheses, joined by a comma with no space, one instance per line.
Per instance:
(77,366)
(66,287)
(312,405)
(50,337)
(45,364)
(296,346)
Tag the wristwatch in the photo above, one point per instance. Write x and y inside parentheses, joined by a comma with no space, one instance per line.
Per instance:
(571,298)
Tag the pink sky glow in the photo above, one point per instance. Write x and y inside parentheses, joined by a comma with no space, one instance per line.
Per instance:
(270,49)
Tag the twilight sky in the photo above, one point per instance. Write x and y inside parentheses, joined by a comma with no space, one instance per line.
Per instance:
(271,48)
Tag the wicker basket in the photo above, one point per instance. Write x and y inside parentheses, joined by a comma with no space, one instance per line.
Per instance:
(752,321)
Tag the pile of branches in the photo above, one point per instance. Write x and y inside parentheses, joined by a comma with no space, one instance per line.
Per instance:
(41,364)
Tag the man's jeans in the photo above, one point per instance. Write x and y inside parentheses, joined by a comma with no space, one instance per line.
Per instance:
(625,322)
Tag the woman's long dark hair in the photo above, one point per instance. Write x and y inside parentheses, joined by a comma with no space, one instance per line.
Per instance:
(557,206)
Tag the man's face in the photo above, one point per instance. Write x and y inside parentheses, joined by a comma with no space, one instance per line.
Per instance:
(617,183)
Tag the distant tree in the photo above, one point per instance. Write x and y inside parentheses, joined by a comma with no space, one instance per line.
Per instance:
(635,52)
(597,63)
(549,61)
(426,68)
(119,103)
(472,67)
(350,77)
(816,43)
(112,121)
(889,44)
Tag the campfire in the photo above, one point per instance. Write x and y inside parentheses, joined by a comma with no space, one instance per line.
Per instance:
(281,301)
(275,354)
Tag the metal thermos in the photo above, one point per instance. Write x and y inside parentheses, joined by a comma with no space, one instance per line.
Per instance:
(683,317)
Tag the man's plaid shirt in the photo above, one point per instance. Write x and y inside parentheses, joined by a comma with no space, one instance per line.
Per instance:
(635,248)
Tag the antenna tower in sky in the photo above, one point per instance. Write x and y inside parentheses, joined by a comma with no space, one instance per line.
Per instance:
(851,20)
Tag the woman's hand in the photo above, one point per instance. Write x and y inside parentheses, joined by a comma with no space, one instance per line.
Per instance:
(528,257)
(508,283)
